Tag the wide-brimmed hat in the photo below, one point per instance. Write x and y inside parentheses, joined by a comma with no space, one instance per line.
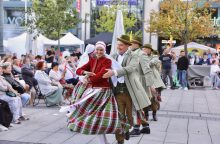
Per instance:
(137,40)
(149,46)
(125,39)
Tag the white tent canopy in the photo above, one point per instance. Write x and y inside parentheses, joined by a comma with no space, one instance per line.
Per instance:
(69,40)
(192,45)
(18,44)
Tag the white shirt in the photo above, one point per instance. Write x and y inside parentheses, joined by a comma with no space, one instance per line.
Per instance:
(214,69)
(69,73)
(120,60)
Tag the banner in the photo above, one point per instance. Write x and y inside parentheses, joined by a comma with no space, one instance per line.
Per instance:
(114,2)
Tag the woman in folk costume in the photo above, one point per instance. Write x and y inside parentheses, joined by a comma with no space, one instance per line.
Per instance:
(96,112)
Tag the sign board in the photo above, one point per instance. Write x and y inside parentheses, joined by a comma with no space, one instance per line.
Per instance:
(168,41)
(114,2)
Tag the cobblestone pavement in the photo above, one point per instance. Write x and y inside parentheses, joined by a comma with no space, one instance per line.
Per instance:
(186,117)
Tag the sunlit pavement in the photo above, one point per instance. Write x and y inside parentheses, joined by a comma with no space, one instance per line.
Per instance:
(186,117)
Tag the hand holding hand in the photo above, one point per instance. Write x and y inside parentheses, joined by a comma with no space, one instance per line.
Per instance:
(89,73)
(85,81)
(108,74)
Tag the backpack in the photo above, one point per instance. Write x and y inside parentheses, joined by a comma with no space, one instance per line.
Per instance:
(5,114)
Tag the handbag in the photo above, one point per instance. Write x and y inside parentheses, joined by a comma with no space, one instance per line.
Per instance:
(10,94)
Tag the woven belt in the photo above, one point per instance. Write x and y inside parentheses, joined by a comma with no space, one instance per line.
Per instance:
(121,88)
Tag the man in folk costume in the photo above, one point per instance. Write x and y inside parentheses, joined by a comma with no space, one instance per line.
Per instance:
(155,65)
(129,91)
(145,76)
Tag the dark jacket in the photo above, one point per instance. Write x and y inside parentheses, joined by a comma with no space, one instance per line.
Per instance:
(202,62)
(15,84)
(182,63)
(28,76)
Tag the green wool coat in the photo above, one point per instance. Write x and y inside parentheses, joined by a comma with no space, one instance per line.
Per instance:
(132,81)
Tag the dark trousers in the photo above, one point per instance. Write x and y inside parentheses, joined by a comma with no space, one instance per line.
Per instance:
(72,81)
(165,73)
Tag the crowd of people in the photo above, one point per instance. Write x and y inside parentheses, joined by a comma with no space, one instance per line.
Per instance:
(174,68)
(102,94)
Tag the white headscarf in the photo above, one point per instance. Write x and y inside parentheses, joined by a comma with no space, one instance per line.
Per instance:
(84,59)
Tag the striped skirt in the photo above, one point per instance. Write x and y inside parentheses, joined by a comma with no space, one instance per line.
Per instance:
(96,112)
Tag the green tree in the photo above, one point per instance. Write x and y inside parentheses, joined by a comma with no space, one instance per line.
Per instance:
(52,17)
(178,19)
(107,17)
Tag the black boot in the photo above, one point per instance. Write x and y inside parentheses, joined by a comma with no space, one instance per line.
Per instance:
(145,129)
(135,131)
(155,117)
(127,135)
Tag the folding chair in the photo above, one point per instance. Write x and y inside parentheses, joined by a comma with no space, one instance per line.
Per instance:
(39,96)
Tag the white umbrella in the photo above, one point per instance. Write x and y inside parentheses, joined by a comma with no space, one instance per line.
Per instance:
(118,31)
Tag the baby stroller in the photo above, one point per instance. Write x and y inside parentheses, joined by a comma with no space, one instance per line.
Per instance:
(199,76)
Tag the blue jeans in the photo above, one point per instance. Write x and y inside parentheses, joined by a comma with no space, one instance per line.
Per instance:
(182,78)
(25,97)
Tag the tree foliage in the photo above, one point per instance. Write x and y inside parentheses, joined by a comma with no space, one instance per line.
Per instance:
(52,17)
(107,17)
(175,15)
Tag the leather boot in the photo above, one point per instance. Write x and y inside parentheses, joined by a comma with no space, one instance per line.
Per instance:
(145,129)
(155,117)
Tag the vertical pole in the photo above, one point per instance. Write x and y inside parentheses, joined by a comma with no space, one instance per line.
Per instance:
(1,28)
(186,30)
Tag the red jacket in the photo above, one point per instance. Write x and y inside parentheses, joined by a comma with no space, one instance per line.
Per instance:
(98,66)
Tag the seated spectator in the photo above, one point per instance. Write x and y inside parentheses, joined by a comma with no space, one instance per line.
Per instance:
(205,60)
(58,77)
(16,69)
(70,74)
(7,58)
(15,103)
(55,75)
(48,88)
(28,76)
(16,85)
(214,57)
(214,74)
(28,73)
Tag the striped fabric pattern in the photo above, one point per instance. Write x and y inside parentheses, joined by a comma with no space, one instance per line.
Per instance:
(97,115)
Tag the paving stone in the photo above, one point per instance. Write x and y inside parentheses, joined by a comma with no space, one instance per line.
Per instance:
(176,138)
(110,139)
(57,138)
(214,128)
(35,136)
(80,139)
(199,139)
(215,139)
(14,135)
(154,136)
(149,142)
(178,125)
(197,127)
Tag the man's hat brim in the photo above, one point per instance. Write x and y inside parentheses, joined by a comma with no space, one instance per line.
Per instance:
(137,42)
(124,41)
(147,48)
